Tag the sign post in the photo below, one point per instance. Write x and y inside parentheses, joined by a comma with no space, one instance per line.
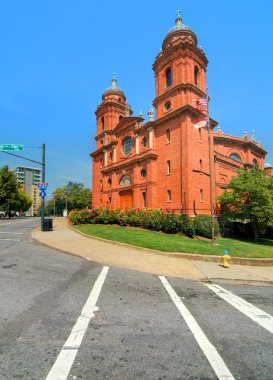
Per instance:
(43,190)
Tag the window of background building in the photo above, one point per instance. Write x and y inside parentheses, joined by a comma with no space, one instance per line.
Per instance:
(201,195)
(167,105)
(168,135)
(255,163)
(168,167)
(196,75)
(169,195)
(168,77)
(143,173)
(235,157)
(144,199)
(144,142)
(200,134)
(127,145)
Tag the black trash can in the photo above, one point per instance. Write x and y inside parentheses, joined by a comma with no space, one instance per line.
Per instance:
(48,225)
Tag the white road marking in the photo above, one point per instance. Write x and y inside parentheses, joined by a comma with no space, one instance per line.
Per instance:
(64,361)
(13,233)
(209,350)
(257,315)
(11,239)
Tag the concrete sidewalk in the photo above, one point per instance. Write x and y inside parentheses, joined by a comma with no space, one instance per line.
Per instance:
(160,263)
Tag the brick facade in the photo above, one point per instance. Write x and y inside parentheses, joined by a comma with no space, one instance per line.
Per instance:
(164,163)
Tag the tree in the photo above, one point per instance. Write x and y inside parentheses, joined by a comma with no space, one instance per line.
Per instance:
(73,195)
(249,197)
(21,203)
(9,188)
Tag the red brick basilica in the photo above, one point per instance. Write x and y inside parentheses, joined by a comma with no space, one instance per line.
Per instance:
(164,163)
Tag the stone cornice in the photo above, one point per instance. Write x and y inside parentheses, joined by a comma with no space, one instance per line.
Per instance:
(101,134)
(126,122)
(109,104)
(163,57)
(149,154)
(221,138)
(180,86)
(185,109)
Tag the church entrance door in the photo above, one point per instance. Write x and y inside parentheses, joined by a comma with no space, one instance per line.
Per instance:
(126,199)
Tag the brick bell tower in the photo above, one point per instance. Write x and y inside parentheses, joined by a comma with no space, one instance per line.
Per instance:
(108,115)
(180,81)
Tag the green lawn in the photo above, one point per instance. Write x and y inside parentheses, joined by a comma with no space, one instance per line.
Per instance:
(175,243)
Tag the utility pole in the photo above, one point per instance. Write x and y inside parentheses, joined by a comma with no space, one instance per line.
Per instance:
(20,147)
(43,181)
(210,172)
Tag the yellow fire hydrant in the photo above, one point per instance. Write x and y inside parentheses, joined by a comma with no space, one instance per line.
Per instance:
(226,259)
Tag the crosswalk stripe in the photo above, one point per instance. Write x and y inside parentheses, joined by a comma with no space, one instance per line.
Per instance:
(209,350)
(64,361)
(257,315)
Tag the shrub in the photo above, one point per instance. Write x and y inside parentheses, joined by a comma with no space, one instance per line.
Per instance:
(155,220)
(202,225)
(80,217)
(187,225)
(105,216)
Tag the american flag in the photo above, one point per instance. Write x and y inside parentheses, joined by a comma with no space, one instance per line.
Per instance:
(202,105)
(201,122)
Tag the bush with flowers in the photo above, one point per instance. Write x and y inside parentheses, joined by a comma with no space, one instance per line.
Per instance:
(155,220)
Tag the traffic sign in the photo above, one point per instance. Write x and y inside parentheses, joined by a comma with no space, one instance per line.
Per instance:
(42,185)
(42,194)
(11,147)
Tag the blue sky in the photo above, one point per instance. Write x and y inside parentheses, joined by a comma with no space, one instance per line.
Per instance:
(58,56)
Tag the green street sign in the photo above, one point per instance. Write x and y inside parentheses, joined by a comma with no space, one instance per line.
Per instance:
(11,147)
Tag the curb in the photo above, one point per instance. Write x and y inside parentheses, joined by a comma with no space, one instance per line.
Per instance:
(189,256)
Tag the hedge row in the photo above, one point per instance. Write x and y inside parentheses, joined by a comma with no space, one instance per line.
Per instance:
(154,220)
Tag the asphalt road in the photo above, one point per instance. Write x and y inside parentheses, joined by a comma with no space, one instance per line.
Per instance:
(64,317)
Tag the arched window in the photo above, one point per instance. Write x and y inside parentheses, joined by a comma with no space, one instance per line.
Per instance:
(168,74)
(143,173)
(127,145)
(168,135)
(167,105)
(120,118)
(196,75)
(235,157)
(125,181)
(255,163)
(144,142)
(102,123)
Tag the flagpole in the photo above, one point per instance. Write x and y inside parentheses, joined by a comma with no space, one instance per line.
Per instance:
(210,173)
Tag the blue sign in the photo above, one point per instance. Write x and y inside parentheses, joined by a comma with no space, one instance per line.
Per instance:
(42,186)
(42,194)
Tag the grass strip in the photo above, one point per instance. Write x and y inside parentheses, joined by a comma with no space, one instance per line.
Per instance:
(175,243)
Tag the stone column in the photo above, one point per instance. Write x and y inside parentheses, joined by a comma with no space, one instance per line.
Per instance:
(114,154)
(151,137)
(105,157)
(137,143)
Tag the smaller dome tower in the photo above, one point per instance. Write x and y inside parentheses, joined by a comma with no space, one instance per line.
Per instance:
(112,109)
